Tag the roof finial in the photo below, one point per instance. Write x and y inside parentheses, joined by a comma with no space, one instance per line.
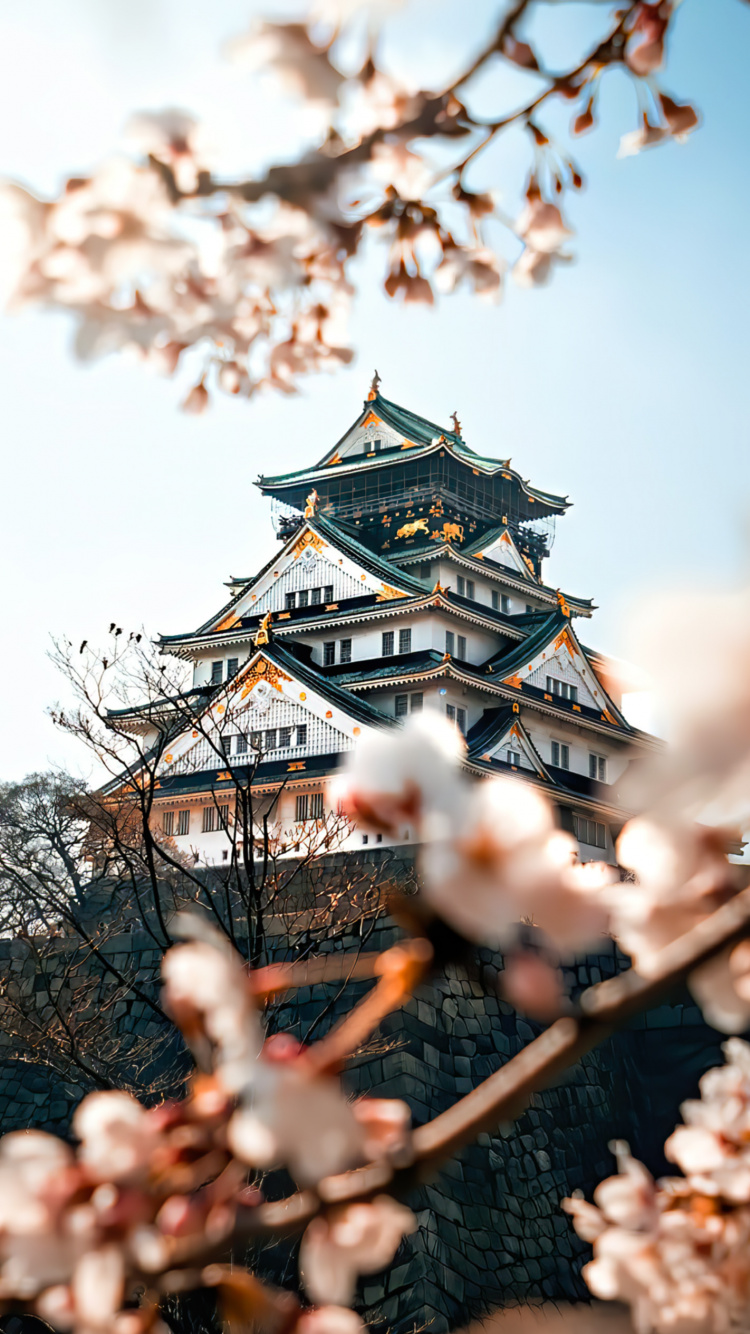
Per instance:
(263,635)
(456,423)
(311,504)
(374,387)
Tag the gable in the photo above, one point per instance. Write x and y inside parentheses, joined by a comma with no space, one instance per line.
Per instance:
(264,698)
(361,440)
(563,660)
(503,551)
(308,563)
(515,739)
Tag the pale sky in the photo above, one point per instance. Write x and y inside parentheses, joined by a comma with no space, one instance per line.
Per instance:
(623,384)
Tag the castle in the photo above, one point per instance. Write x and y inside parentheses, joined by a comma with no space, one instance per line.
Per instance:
(409,577)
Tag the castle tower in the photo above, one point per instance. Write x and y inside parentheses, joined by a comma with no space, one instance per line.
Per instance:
(409,576)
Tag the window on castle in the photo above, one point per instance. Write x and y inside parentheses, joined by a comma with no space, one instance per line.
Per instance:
(450,642)
(529,607)
(417,700)
(505,603)
(285,737)
(256,740)
(315,596)
(560,755)
(365,839)
(223,816)
(290,601)
(388,641)
(345,650)
(461,586)
(450,712)
(217,673)
(377,446)
(270,738)
(470,589)
(461,720)
(209,819)
(495,600)
(562,689)
(514,757)
(328,593)
(462,647)
(240,744)
(402,706)
(225,745)
(303,598)
(302,734)
(590,831)
(167,823)
(183,823)
(404,641)
(301,807)
(329,653)
(316,805)
(598,767)
(232,666)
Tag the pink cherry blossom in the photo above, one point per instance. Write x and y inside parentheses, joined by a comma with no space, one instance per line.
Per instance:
(350,1240)
(207,993)
(117,1134)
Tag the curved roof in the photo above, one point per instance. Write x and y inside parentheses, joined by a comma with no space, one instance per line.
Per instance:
(423,436)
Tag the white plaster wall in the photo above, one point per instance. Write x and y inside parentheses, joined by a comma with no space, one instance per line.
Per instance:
(581,742)
(428,631)
(202,664)
(562,666)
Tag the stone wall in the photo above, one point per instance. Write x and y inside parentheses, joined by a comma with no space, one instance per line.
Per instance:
(491,1230)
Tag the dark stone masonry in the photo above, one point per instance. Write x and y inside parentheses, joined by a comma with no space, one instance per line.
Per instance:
(491,1232)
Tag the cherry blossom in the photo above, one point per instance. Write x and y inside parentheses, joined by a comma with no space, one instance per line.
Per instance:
(207,993)
(350,1240)
(713,1147)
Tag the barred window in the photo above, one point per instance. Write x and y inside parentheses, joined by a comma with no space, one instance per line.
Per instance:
(303,598)
(328,593)
(217,673)
(404,641)
(496,600)
(209,819)
(450,642)
(270,738)
(560,755)
(256,740)
(598,767)
(562,689)
(224,816)
(301,808)
(590,831)
(345,650)
(470,589)
(402,705)
(285,737)
(183,823)
(461,720)
(240,744)
(329,653)
(232,666)
(462,647)
(290,601)
(316,805)
(167,823)
(450,712)
(302,734)
(506,603)
(225,745)
(417,700)
(315,597)
(461,585)
(388,641)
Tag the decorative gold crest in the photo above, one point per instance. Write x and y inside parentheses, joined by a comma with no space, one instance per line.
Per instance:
(262,670)
(308,539)
(311,504)
(411,529)
(263,634)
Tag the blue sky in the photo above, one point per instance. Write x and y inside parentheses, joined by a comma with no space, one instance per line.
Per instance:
(623,384)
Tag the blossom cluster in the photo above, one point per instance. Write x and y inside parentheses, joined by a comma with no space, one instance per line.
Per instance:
(83,1231)
(492,857)
(677,1251)
(155,253)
